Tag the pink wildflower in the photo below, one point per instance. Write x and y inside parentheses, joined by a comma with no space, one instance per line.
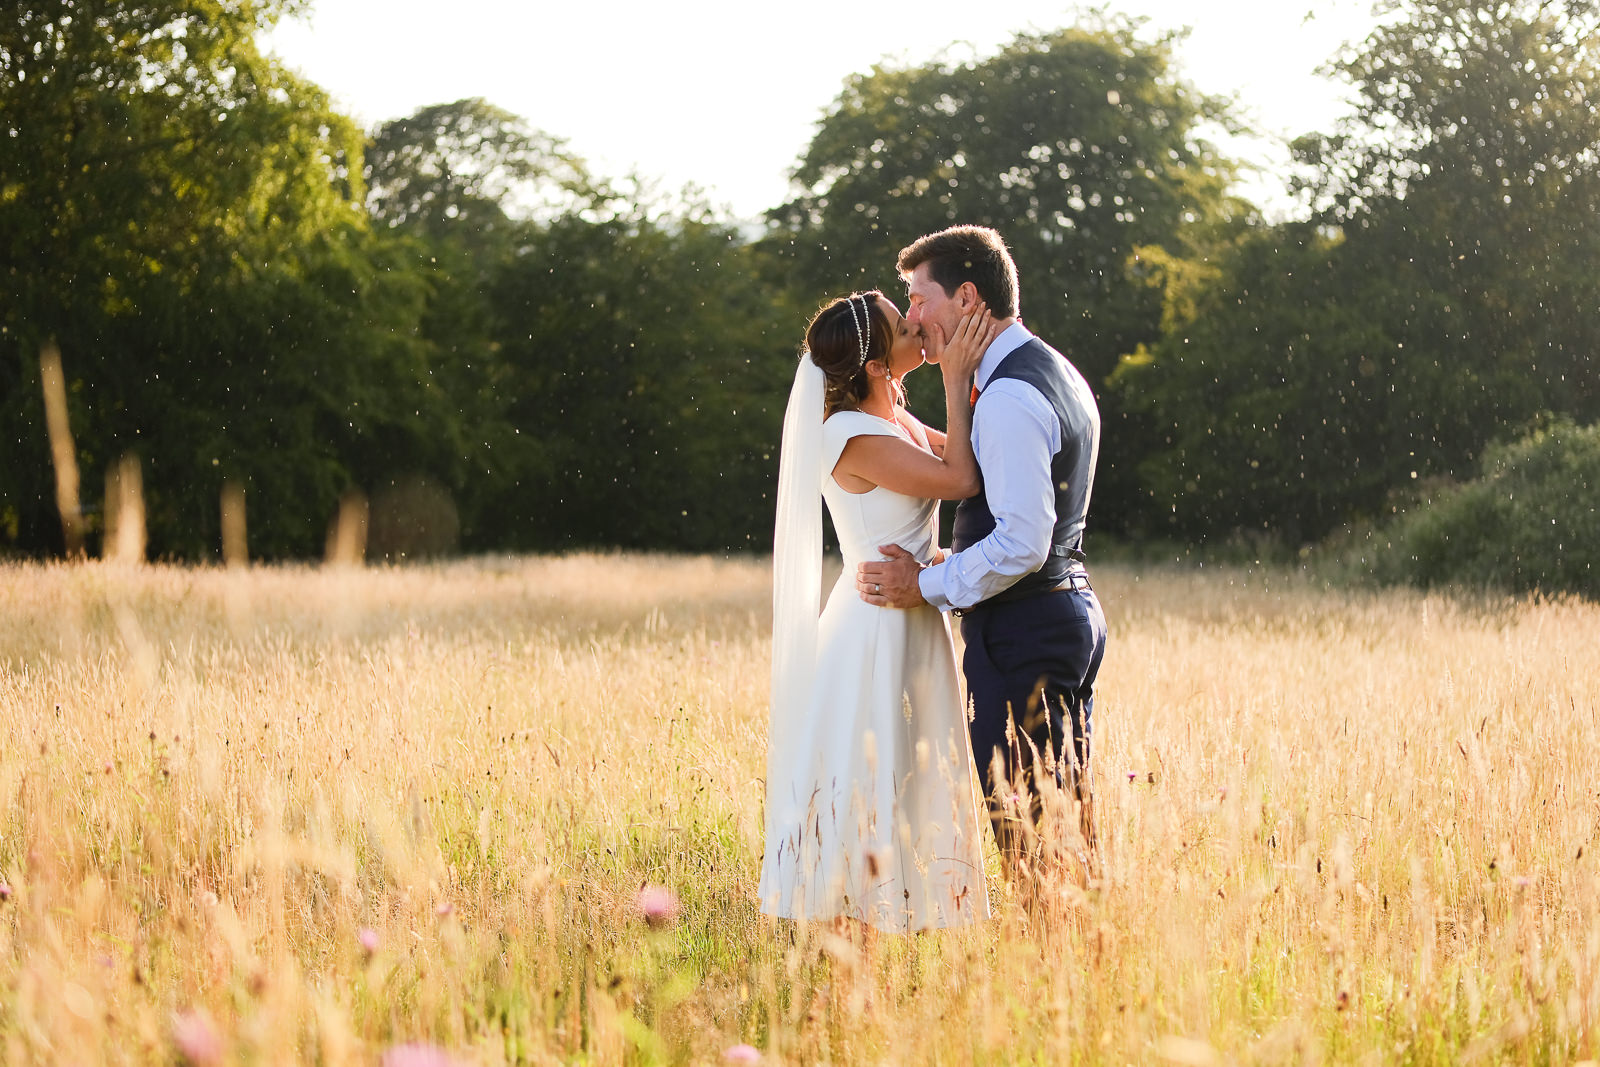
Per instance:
(368,939)
(657,904)
(742,1054)
(196,1038)
(416,1056)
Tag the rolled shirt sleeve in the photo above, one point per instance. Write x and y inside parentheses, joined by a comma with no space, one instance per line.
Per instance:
(1015,434)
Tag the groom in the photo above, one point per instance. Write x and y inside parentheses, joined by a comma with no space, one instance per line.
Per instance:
(1032,626)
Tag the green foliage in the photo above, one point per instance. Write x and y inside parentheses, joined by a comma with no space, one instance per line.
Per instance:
(102,181)
(1080,146)
(1288,394)
(1470,175)
(186,218)
(606,373)
(453,310)
(1530,522)
(442,182)
(450,171)
(1442,297)
(651,366)
(617,368)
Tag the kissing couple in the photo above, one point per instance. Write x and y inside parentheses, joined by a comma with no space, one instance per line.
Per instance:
(870,812)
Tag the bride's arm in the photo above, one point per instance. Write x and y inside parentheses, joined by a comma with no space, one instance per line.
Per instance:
(898,465)
(934,437)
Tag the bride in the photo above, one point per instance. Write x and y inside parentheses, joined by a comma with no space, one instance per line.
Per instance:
(870,814)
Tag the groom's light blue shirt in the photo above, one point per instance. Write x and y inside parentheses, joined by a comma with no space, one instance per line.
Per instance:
(1015,433)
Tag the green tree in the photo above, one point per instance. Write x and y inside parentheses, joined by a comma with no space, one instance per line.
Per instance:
(642,353)
(454,186)
(1441,299)
(1279,402)
(185,217)
(1473,156)
(460,171)
(98,173)
(620,364)
(1079,146)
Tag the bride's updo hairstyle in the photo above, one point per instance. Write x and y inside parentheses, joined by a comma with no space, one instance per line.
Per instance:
(834,338)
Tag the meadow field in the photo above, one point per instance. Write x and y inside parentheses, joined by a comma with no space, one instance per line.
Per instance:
(405,815)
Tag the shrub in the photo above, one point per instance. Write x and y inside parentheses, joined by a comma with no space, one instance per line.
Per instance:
(1530,521)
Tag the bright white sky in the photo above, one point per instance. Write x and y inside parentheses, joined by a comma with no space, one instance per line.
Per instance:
(725,94)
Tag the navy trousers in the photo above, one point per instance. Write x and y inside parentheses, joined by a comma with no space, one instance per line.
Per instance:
(1030,666)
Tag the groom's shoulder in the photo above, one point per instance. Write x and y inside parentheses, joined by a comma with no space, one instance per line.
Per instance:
(1042,347)
(1042,369)
(1058,359)
(1034,356)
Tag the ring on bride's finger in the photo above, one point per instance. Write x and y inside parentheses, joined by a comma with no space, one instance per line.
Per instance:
(877,588)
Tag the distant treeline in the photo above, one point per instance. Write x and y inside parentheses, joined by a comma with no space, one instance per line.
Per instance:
(501,350)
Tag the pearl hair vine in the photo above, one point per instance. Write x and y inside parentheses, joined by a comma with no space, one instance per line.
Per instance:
(861,327)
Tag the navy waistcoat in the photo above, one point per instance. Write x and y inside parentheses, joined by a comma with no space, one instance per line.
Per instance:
(1071,468)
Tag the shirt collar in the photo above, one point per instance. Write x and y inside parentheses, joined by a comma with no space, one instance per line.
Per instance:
(1011,338)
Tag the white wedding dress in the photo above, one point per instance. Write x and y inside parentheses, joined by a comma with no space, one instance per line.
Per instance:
(870,810)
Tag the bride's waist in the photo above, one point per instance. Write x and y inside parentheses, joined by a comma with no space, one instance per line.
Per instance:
(922,554)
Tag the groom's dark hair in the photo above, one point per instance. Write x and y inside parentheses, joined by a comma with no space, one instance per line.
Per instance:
(973,254)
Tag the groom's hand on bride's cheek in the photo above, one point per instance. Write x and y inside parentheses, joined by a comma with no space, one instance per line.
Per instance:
(892,582)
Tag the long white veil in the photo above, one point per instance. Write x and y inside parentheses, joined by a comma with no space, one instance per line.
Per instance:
(796,575)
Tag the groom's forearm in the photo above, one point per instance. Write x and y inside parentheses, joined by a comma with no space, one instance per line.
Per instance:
(931,582)
(987,568)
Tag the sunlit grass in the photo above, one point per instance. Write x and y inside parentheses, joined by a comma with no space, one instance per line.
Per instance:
(314,815)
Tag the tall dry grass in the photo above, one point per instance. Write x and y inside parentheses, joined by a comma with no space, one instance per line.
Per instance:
(292,815)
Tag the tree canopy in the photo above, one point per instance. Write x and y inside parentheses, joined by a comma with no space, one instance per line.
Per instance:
(451,314)
(1080,146)
(185,217)
(1440,299)
(464,168)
